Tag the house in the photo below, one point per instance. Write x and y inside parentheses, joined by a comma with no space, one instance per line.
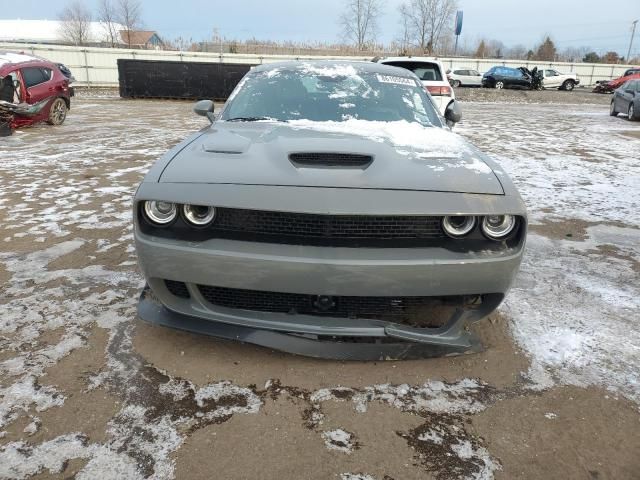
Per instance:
(141,39)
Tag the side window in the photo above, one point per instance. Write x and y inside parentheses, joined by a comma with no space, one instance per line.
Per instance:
(474,73)
(637,86)
(34,76)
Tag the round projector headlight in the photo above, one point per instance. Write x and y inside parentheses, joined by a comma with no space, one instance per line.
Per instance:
(161,213)
(458,226)
(199,215)
(498,227)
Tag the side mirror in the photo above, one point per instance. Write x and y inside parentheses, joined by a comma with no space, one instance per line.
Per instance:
(205,108)
(453,113)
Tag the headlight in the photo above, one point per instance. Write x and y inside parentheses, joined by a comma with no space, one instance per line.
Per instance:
(161,213)
(498,227)
(458,226)
(199,215)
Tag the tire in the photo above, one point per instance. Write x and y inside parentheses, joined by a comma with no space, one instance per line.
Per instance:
(612,109)
(499,85)
(568,85)
(632,115)
(456,83)
(57,112)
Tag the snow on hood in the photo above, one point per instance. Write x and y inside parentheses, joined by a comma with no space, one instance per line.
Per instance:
(411,137)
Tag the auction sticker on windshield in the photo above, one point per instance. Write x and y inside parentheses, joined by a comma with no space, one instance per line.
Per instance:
(395,80)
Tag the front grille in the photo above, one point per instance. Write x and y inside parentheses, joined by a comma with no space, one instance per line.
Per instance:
(413,311)
(179,289)
(310,229)
(346,160)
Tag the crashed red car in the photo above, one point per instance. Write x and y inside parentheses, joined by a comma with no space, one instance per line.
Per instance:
(609,87)
(33,90)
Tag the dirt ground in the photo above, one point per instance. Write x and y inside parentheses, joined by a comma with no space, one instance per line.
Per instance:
(89,391)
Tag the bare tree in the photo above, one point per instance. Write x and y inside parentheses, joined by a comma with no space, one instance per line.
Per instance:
(107,15)
(427,19)
(359,22)
(405,33)
(129,14)
(75,22)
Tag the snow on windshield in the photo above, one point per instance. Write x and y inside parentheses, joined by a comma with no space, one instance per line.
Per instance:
(331,92)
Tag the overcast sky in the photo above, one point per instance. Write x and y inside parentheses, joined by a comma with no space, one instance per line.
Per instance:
(577,23)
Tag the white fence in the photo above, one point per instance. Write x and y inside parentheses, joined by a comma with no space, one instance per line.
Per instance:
(98,66)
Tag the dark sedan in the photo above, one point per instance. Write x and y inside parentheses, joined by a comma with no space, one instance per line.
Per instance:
(506,77)
(626,99)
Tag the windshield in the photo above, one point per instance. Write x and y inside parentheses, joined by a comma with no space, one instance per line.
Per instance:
(333,93)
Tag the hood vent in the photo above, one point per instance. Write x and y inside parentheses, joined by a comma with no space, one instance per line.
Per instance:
(330,160)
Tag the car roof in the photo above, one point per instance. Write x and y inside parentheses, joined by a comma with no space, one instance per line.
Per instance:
(9,60)
(409,59)
(359,66)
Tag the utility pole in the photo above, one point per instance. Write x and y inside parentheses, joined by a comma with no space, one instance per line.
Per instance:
(633,32)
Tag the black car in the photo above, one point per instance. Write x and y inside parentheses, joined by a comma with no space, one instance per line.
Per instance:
(506,77)
(626,99)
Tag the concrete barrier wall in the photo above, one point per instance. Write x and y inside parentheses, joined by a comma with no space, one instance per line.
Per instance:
(98,66)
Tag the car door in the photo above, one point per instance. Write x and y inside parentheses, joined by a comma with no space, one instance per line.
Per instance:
(622,97)
(503,75)
(475,78)
(551,78)
(629,92)
(37,82)
(519,79)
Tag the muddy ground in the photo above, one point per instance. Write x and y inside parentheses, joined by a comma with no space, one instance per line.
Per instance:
(89,391)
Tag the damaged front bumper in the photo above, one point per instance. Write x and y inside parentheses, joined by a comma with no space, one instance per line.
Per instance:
(383,340)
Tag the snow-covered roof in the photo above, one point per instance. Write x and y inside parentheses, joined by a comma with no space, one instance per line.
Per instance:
(10,57)
(45,31)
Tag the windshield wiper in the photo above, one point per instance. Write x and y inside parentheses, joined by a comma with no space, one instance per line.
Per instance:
(252,119)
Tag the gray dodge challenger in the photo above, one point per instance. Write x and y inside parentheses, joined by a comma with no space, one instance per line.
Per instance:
(328,210)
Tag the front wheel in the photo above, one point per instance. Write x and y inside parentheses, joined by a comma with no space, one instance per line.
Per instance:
(568,85)
(612,109)
(57,112)
(499,85)
(632,112)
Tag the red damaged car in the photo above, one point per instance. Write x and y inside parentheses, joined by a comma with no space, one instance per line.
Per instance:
(32,90)
(609,87)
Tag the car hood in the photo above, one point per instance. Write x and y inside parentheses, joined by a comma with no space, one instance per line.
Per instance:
(405,156)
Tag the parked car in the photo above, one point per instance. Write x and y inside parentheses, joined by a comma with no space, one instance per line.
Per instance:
(464,78)
(33,89)
(432,74)
(610,86)
(626,99)
(507,77)
(553,79)
(328,211)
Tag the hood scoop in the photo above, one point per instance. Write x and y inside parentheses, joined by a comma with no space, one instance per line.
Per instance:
(330,160)
(227,142)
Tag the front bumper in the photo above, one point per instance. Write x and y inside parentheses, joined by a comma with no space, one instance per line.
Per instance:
(399,343)
(330,271)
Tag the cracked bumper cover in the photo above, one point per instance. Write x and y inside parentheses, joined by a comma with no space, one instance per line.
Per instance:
(400,343)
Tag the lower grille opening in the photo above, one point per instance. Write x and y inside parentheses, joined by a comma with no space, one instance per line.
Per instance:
(420,312)
(179,289)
